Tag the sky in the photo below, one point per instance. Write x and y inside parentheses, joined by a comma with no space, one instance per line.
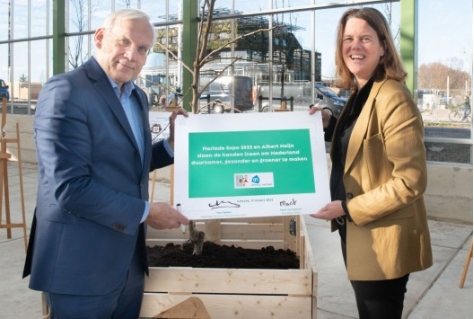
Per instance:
(445,29)
(445,32)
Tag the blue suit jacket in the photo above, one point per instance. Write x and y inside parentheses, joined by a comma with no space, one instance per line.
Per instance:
(92,185)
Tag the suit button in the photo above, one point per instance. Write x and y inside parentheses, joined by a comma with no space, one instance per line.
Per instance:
(119,227)
(349,196)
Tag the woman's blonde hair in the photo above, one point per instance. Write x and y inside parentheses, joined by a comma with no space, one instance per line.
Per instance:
(390,65)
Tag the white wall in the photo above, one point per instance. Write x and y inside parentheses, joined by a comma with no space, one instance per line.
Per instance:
(449,193)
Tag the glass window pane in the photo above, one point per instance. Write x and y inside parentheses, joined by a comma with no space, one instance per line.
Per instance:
(4,62)
(79,50)
(4,20)
(41,20)
(19,74)
(100,10)
(19,20)
(78,16)
(126,4)
(175,9)
(41,64)
(444,92)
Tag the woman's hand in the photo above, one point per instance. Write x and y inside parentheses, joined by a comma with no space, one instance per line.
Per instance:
(325,114)
(330,211)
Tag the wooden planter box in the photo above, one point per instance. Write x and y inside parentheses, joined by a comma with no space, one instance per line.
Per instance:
(235,293)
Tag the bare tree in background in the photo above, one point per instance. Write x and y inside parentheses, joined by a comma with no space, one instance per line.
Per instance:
(285,46)
(23,78)
(206,53)
(434,75)
(388,9)
(76,53)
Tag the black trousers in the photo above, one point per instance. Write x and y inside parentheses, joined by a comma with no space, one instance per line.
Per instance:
(377,299)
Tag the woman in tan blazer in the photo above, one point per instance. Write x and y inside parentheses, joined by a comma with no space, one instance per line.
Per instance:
(379,172)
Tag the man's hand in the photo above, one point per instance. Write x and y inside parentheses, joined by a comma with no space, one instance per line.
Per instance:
(178,111)
(164,216)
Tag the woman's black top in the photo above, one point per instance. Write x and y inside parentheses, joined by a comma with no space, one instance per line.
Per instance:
(340,139)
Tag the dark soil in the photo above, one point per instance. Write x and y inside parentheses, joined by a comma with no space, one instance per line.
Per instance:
(221,256)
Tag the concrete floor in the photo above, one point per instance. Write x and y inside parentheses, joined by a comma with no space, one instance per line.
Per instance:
(432,294)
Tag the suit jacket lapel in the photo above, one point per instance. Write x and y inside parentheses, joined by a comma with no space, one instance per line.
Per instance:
(100,81)
(142,103)
(361,126)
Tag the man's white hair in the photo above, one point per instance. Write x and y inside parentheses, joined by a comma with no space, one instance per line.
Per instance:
(128,14)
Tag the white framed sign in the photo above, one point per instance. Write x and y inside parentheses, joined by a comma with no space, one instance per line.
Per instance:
(250,164)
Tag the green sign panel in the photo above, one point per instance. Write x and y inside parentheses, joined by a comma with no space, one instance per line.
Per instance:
(242,163)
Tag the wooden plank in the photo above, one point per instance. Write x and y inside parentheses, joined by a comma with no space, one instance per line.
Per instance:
(212,229)
(233,306)
(301,252)
(229,281)
(225,231)
(255,220)
(309,261)
(192,307)
(239,293)
(314,296)
(237,243)
(167,234)
(252,231)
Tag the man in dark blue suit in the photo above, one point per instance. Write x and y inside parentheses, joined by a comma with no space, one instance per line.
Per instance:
(87,244)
